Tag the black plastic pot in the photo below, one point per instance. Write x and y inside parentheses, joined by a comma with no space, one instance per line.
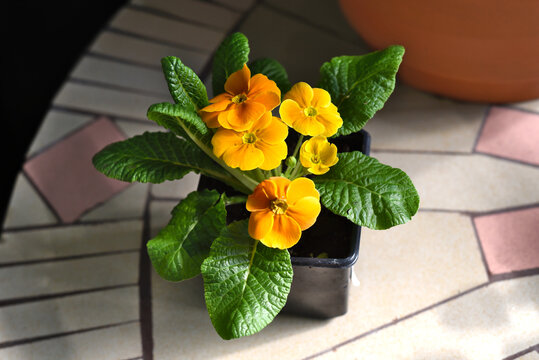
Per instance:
(320,286)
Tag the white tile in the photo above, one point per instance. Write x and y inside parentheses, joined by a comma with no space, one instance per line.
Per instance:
(55,126)
(467,182)
(160,215)
(164,29)
(144,52)
(530,105)
(280,37)
(414,120)
(69,241)
(401,271)
(127,204)
(177,189)
(199,11)
(490,323)
(119,74)
(119,342)
(69,313)
(133,128)
(69,275)
(326,13)
(106,101)
(239,5)
(26,208)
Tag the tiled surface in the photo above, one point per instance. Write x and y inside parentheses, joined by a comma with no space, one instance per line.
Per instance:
(533,355)
(26,207)
(435,288)
(414,120)
(511,134)
(118,342)
(491,323)
(136,50)
(466,182)
(82,187)
(510,240)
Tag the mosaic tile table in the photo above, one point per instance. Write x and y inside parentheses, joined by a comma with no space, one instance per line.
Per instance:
(461,281)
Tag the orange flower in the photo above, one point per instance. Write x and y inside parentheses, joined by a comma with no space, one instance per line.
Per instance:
(310,111)
(260,146)
(281,209)
(317,155)
(246,99)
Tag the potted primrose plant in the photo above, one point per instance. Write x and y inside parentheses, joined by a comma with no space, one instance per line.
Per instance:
(280,177)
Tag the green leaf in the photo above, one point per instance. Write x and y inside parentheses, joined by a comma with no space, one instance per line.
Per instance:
(367,192)
(229,57)
(360,85)
(181,121)
(154,158)
(246,283)
(184,85)
(274,71)
(180,248)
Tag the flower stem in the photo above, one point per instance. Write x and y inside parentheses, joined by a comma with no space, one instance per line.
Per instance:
(235,200)
(298,145)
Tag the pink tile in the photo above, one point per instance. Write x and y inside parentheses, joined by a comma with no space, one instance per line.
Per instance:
(510,240)
(511,134)
(64,173)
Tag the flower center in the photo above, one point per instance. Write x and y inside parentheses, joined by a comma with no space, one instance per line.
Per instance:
(310,111)
(315,159)
(278,206)
(238,99)
(249,138)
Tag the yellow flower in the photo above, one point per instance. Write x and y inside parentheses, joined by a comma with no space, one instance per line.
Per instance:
(260,146)
(310,111)
(281,209)
(246,99)
(317,155)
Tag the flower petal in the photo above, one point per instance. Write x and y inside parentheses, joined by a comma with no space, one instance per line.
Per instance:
(284,234)
(260,198)
(221,97)
(308,126)
(238,82)
(263,122)
(210,118)
(330,118)
(302,93)
(260,83)
(300,188)
(318,169)
(281,186)
(290,112)
(260,224)
(269,99)
(328,154)
(241,117)
(245,156)
(219,106)
(274,132)
(273,154)
(305,211)
(321,98)
(225,139)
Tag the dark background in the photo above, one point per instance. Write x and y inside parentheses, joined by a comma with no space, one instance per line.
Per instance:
(41,42)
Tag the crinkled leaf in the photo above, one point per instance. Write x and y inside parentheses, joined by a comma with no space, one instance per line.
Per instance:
(246,284)
(154,157)
(184,85)
(274,71)
(229,57)
(360,85)
(180,248)
(367,192)
(181,121)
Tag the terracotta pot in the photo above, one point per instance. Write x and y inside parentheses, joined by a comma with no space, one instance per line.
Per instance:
(476,50)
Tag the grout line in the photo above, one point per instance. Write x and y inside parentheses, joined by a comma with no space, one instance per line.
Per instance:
(224,6)
(42,196)
(67,258)
(207,69)
(480,131)
(35,298)
(59,226)
(62,334)
(169,16)
(103,56)
(166,198)
(521,162)
(67,109)
(523,352)
(145,286)
(112,29)
(482,213)
(305,21)
(396,321)
(110,86)
(514,274)
(481,251)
